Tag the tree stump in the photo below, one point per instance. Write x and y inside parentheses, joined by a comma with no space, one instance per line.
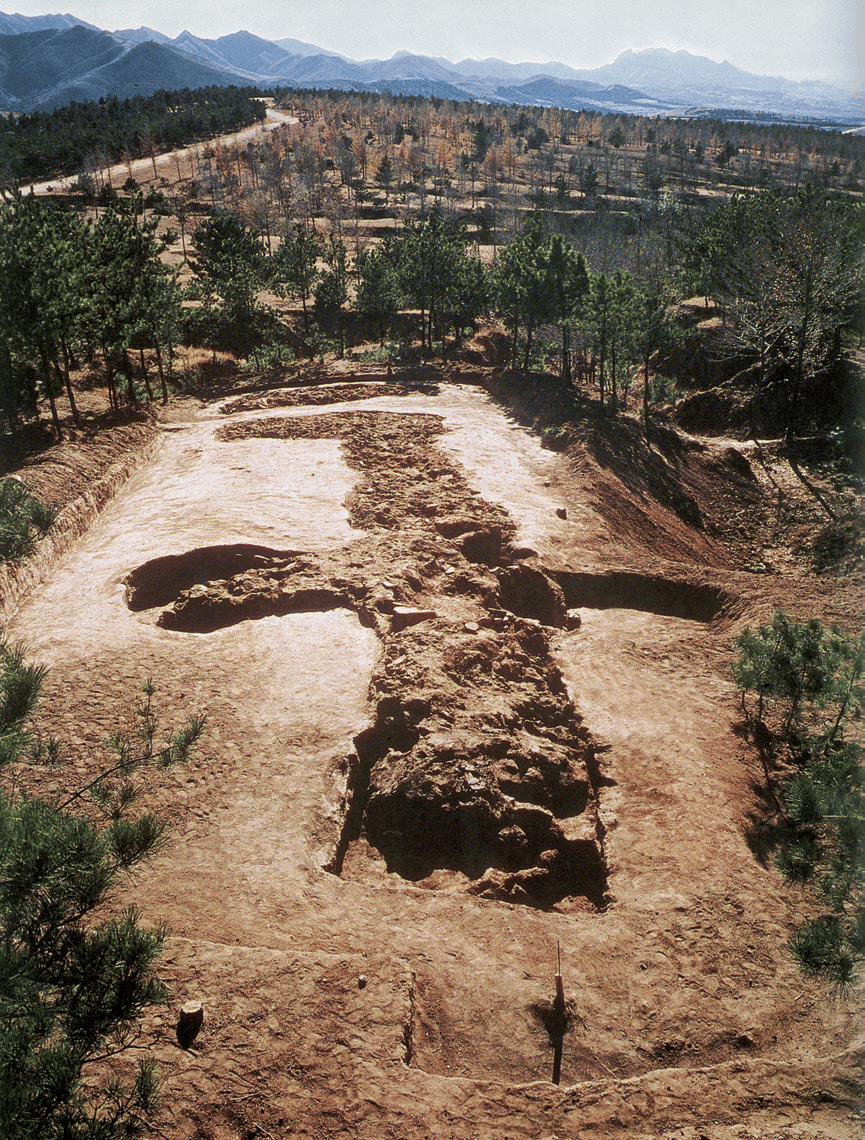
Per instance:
(189,1022)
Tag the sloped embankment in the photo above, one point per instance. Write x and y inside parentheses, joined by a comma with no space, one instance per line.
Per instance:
(78,478)
(665,495)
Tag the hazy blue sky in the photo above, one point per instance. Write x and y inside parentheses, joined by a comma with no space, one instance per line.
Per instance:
(795,38)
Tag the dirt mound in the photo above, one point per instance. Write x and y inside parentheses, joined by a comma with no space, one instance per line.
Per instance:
(713,411)
(530,593)
(326,394)
(488,348)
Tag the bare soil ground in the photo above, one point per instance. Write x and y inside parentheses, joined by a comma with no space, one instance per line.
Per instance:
(468,706)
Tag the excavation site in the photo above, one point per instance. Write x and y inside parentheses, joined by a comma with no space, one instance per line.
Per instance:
(471,736)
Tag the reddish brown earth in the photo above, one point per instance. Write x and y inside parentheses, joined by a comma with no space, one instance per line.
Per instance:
(468,706)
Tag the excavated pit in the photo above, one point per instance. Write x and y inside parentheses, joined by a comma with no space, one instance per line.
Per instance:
(677,997)
(161,580)
(626,590)
(477,767)
(476,772)
(477,763)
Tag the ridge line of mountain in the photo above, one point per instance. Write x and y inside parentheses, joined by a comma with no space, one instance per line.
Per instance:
(48,61)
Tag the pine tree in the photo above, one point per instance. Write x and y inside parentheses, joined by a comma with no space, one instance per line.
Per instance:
(524,284)
(71,990)
(228,265)
(384,175)
(41,274)
(378,294)
(437,275)
(23,520)
(332,290)
(293,270)
(807,681)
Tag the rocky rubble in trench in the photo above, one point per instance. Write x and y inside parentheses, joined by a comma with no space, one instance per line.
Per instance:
(476,769)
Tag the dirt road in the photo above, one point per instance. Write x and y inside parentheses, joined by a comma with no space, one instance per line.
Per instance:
(142,168)
(343,995)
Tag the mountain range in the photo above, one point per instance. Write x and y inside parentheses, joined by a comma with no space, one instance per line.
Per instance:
(48,61)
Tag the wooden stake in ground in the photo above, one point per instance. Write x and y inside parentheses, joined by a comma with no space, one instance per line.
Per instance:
(559,1019)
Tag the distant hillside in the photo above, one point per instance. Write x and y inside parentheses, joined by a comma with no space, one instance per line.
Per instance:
(246,52)
(143,35)
(298,47)
(498,71)
(44,61)
(69,59)
(15,25)
(582,96)
(679,77)
(49,68)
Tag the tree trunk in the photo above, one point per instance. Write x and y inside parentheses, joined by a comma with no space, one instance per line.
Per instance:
(754,402)
(76,418)
(49,392)
(145,376)
(804,329)
(109,379)
(161,371)
(602,364)
(529,334)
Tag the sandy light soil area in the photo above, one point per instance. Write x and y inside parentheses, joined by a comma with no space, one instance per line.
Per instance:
(459,723)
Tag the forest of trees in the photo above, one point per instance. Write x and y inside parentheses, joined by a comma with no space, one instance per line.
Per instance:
(69,286)
(629,153)
(577,231)
(787,271)
(78,136)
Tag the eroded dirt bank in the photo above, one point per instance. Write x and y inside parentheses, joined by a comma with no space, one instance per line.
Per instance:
(455,720)
(78,480)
